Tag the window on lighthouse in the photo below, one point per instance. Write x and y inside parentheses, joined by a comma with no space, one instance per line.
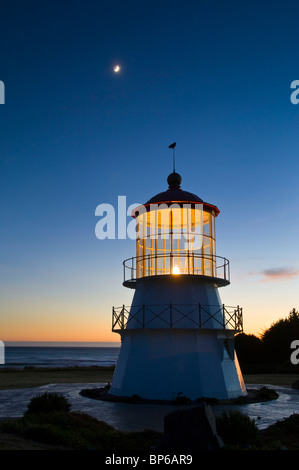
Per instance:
(175,240)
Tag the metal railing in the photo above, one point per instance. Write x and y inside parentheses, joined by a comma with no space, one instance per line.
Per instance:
(225,317)
(188,263)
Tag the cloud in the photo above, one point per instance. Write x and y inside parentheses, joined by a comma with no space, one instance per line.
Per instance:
(279,274)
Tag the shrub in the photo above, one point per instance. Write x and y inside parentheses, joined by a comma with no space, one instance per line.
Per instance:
(79,431)
(236,428)
(266,394)
(283,434)
(181,399)
(46,403)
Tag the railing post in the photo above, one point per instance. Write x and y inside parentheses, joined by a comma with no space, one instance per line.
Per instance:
(170,314)
(148,267)
(241,318)
(123,318)
(143,315)
(223,316)
(199,315)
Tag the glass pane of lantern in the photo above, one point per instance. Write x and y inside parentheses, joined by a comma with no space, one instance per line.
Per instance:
(178,240)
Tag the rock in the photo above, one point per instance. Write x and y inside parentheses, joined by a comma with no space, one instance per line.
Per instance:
(190,430)
(295,385)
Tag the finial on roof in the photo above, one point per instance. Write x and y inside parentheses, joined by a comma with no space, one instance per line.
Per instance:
(174,180)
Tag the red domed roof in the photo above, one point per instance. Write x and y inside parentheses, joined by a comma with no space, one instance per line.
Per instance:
(174,194)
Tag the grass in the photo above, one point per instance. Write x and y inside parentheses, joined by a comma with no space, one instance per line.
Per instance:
(36,377)
(283,380)
(10,441)
(29,377)
(282,435)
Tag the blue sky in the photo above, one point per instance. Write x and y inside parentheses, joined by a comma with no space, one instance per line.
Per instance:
(214,77)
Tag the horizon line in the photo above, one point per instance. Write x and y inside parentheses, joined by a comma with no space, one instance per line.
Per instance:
(63,343)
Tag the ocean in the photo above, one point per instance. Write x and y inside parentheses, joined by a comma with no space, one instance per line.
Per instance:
(60,356)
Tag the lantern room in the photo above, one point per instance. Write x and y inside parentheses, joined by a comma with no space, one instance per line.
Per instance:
(175,235)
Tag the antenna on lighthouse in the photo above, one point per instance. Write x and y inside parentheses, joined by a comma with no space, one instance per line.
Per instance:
(171,146)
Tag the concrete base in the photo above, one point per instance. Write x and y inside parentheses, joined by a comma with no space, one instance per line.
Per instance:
(162,364)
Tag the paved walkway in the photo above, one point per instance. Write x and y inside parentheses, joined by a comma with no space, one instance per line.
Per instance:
(136,417)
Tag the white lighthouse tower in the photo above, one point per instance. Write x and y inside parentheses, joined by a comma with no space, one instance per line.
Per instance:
(177,338)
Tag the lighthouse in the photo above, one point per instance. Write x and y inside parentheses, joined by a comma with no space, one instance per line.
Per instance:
(177,337)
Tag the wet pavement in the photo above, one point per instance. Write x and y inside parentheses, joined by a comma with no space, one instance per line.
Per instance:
(136,417)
